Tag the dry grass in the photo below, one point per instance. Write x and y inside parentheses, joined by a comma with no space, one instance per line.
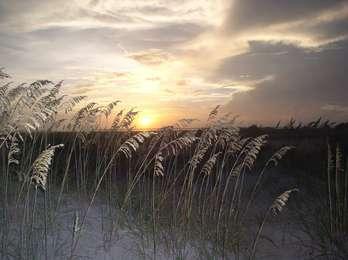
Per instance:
(186,185)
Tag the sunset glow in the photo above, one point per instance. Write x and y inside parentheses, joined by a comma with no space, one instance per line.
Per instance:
(144,122)
(174,129)
(185,57)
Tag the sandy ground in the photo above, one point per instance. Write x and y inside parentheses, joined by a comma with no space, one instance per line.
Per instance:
(103,238)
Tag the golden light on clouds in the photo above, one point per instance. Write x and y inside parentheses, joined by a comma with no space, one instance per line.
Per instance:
(172,59)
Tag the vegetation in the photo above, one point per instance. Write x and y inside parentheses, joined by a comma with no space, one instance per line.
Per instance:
(174,192)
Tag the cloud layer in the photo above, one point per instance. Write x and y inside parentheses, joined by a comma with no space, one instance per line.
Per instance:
(265,60)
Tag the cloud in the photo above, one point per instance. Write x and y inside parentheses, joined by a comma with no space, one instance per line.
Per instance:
(267,58)
(334,28)
(304,80)
(335,108)
(24,16)
(248,14)
(150,57)
(165,36)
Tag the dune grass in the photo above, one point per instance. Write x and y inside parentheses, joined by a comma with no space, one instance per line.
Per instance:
(179,192)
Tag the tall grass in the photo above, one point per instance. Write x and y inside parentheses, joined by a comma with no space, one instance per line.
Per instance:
(172,188)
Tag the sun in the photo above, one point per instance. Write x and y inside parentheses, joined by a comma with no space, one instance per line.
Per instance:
(145,121)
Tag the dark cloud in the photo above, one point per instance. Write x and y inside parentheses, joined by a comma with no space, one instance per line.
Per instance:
(304,80)
(151,57)
(329,29)
(246,14)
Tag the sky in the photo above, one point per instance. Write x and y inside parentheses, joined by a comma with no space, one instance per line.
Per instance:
(263,60)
